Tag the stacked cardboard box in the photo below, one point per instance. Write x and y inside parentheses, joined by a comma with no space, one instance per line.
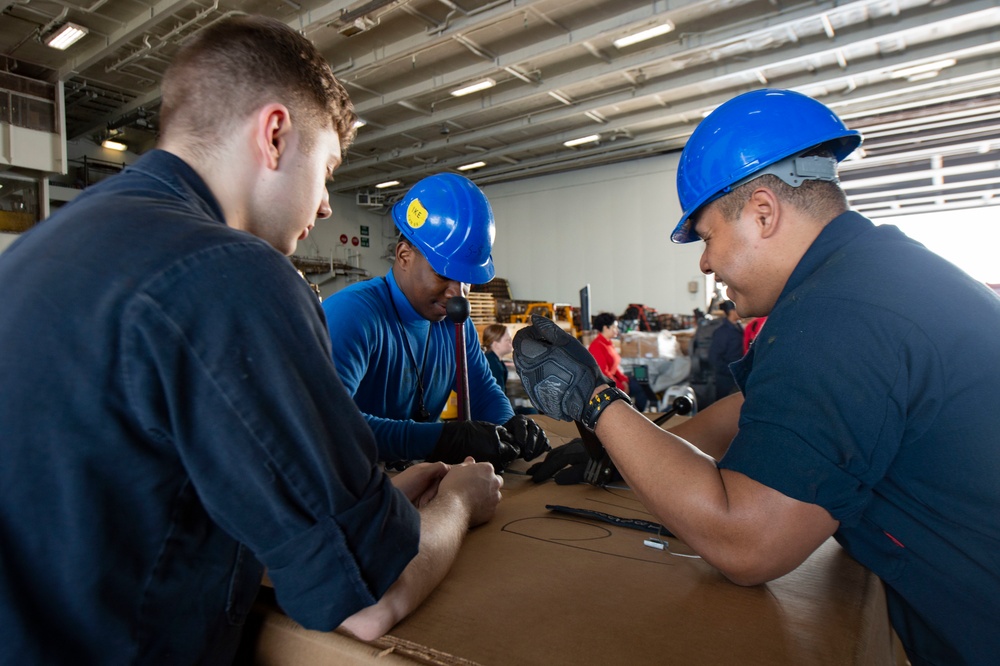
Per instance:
(649,345)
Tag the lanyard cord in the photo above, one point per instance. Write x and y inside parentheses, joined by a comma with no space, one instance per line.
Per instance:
(422,413)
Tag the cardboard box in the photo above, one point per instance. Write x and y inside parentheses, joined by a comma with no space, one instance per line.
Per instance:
(637,344)
(684,341)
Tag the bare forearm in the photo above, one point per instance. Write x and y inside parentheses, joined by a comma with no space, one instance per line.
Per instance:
(750,532)
(713,429)
(679,483)
(443,524)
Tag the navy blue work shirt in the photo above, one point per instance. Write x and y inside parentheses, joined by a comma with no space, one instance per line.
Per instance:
(171,420)
(864,395)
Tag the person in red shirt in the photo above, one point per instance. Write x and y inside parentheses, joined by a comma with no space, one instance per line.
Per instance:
(609,360)
(604,352)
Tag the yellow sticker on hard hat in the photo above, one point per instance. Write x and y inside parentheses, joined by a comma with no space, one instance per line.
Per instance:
(416,214)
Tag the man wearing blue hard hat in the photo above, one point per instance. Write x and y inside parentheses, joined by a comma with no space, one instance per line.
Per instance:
(858,414)
(395,352)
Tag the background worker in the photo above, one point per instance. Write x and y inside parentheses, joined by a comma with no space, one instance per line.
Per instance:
(497,343)
(727,347)
(172,422)
(395,350)
(857,416)
(609,360)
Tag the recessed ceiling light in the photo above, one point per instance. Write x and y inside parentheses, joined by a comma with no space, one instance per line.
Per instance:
(475,87)
(643,35)
(66,36)
(583,139)
(388,183)
(474,165)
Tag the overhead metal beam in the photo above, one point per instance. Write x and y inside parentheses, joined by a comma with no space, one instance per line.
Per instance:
(870,35)
(690,85)
(138,25)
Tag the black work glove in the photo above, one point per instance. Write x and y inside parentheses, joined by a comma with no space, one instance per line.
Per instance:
(557,371)
(483,441)
(527,436)
(566,463)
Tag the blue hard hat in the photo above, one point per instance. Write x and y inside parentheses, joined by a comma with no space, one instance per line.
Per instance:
(744,136)
(449,220)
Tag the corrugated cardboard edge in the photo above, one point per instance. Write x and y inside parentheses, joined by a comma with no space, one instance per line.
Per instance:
(281,641)
(421,653)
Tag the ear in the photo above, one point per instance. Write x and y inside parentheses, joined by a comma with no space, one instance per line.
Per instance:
(765,207)
(272,127)
(404,254)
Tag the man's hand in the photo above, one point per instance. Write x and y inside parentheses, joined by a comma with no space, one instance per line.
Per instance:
(558,372)
(477,485)
(467,495)
(483,441)
(420,482)
(527,436)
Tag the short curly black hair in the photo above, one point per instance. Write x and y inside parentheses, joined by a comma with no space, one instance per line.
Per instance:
(604,319)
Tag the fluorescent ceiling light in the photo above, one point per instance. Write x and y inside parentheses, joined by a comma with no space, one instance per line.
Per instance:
(925,71)
(388,183)
(923,76)
(474,165)
(560,98)
(111,144)
(642,36)
(582,139)
(359,123)
(66,36)
(475,87)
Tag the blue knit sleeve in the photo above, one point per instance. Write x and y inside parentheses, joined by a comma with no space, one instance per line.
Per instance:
(366,354)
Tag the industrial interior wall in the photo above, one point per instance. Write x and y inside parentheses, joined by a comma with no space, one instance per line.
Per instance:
(605,226)
(353,236)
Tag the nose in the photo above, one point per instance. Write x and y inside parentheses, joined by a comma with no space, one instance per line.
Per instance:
(324,206)
(456,289)
(703,264)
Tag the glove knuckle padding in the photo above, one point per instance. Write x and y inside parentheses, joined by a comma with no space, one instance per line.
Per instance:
(558,372)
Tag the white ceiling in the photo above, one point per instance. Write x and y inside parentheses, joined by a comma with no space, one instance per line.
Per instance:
(931,142)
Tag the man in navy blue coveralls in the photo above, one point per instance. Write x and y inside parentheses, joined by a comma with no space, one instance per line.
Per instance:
(860,413)
(171,419)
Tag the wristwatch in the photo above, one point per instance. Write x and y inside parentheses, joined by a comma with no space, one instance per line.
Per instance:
(599,403)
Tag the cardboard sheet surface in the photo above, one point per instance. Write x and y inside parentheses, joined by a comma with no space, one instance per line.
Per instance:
(537,587)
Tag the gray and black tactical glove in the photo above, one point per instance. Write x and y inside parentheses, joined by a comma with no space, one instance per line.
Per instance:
(483,441)
(557,371)
(528,436)
(566,464)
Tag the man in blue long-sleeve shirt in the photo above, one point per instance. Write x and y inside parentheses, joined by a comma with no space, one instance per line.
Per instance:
(395,350)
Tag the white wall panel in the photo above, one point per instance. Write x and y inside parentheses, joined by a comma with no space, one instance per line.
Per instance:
(607,226)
